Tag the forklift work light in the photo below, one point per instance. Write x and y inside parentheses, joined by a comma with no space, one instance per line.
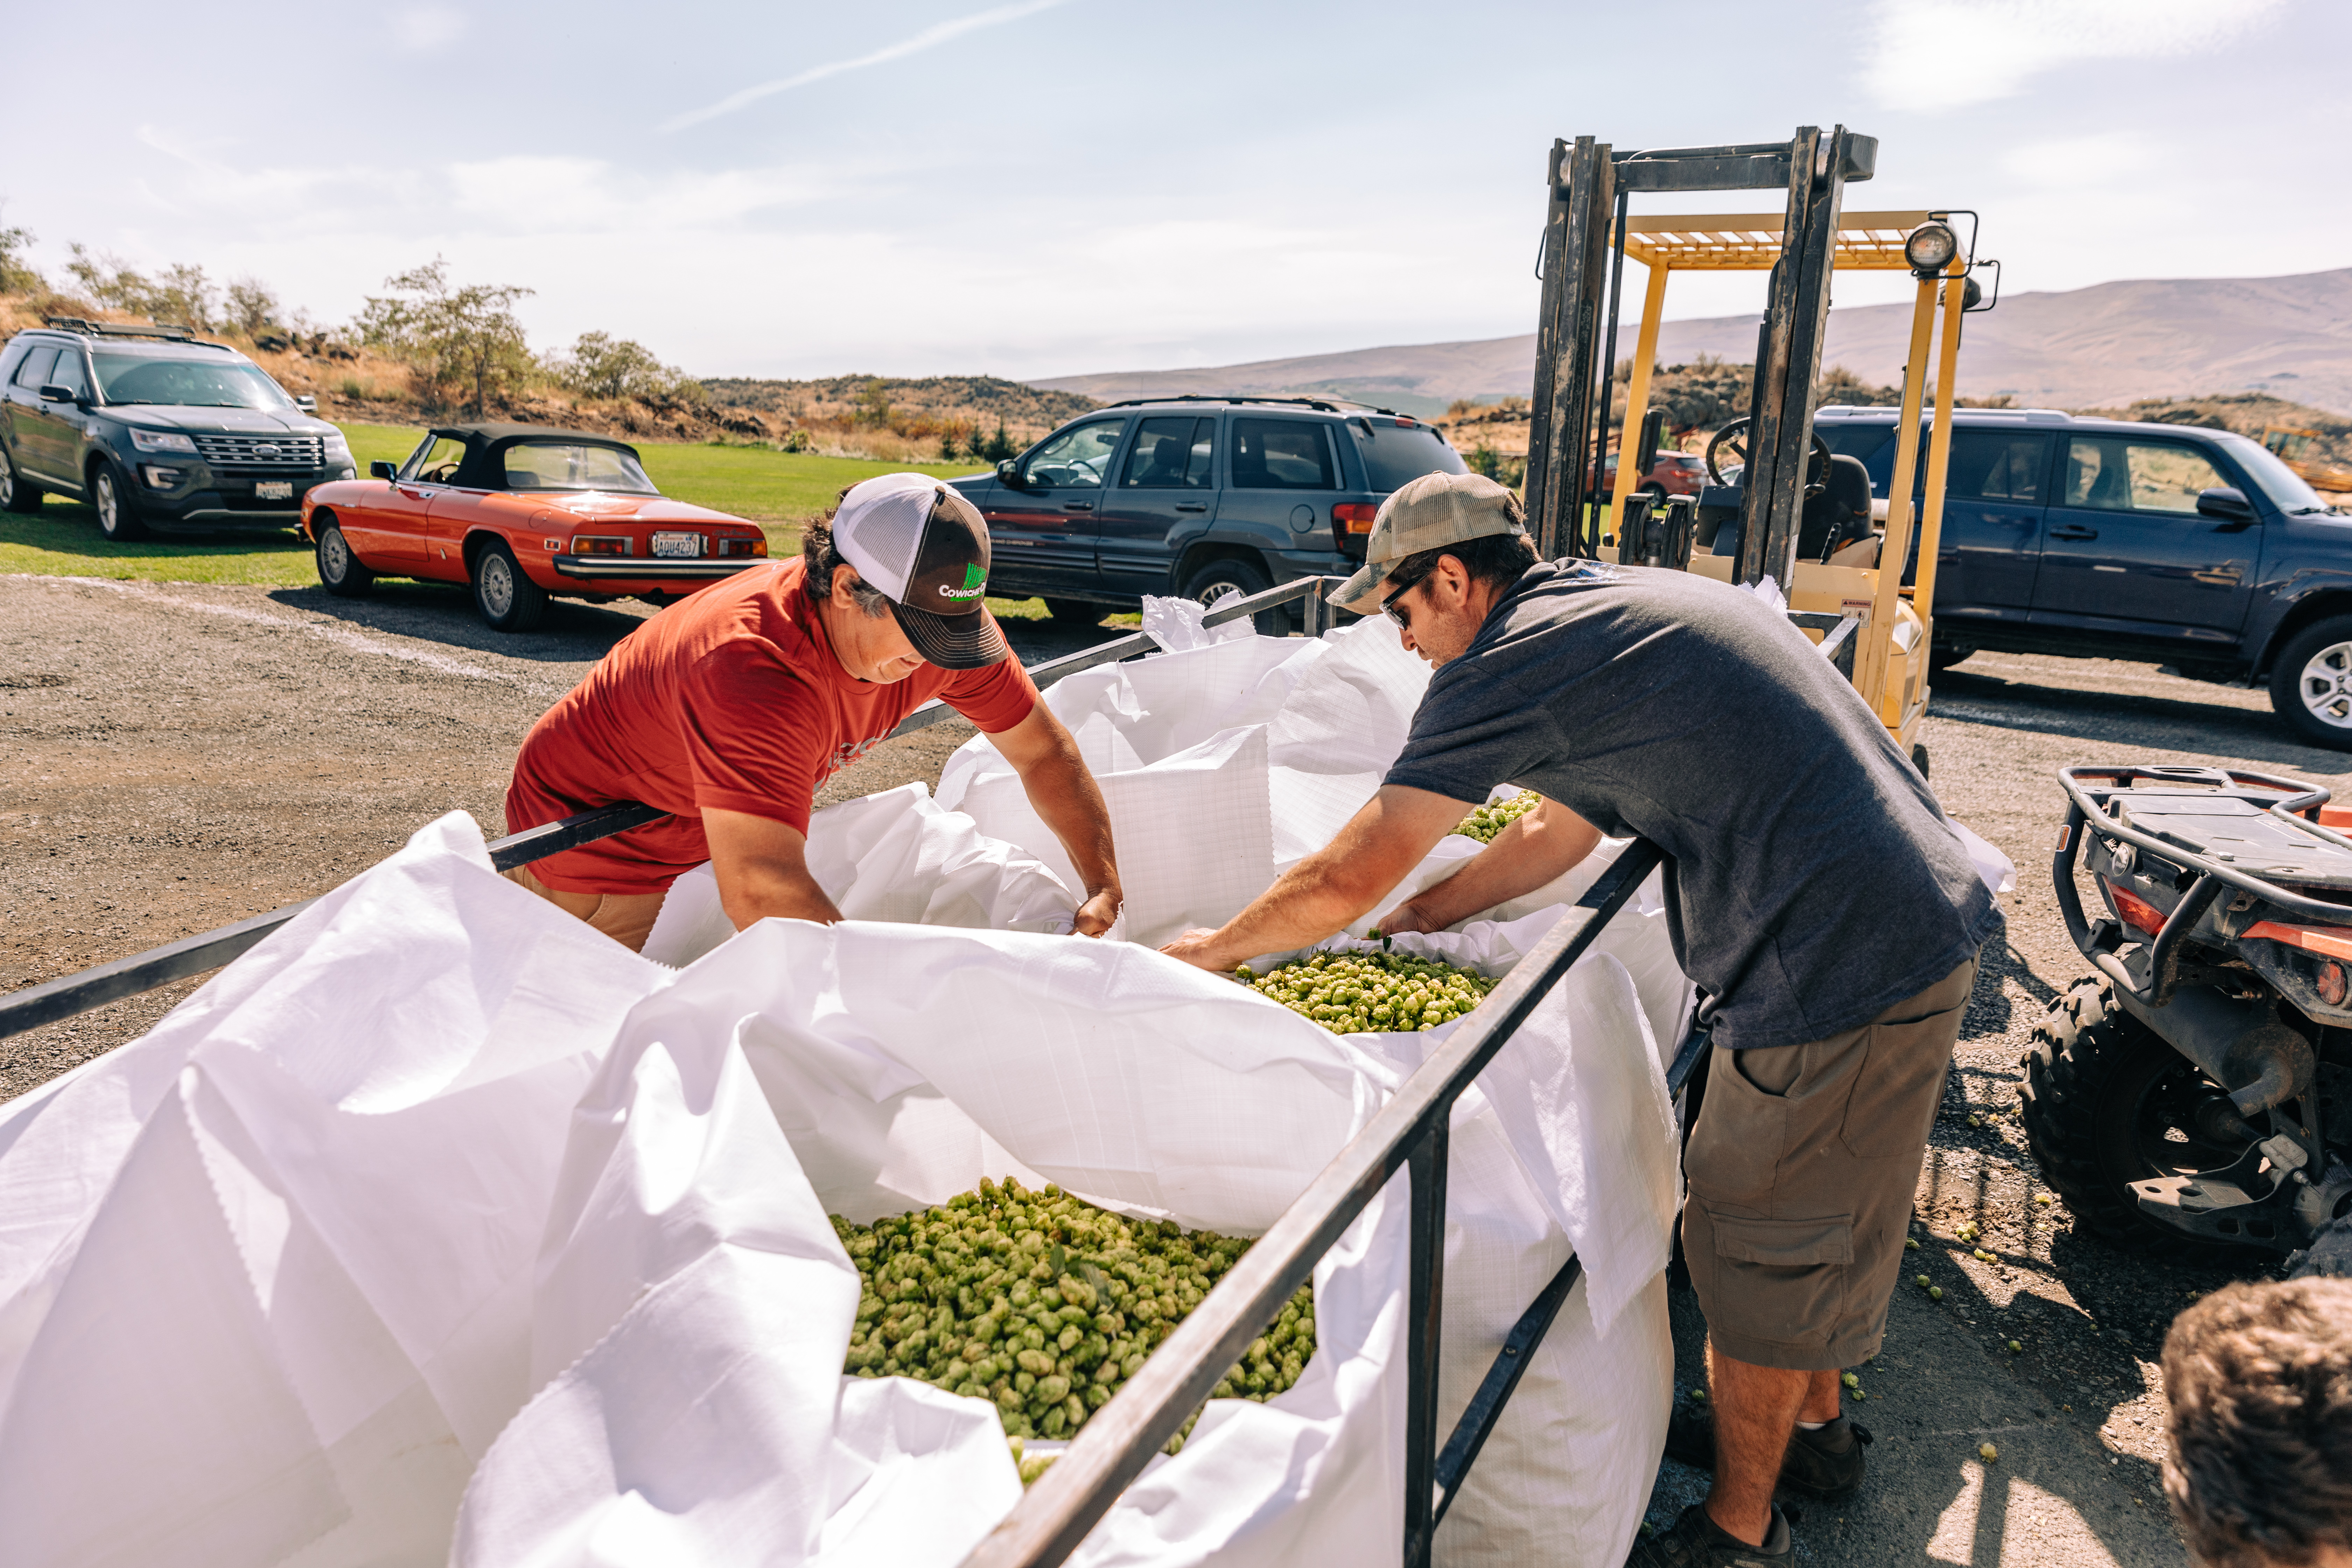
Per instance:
(1930,248)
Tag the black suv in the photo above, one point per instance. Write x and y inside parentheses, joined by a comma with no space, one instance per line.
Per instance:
(1198,496)
(2106,539)
(152,424)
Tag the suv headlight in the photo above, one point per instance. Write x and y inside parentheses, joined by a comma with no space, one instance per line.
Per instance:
(161,441)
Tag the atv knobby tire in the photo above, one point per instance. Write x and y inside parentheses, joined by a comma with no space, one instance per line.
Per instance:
(2097,1086)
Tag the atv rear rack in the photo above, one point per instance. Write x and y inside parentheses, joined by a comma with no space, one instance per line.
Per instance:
(2297,804)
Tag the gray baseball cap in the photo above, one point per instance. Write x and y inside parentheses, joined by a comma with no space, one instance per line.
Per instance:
(1430,513)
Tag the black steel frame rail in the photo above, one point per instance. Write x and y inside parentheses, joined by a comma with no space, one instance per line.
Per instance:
(1409,1132)
(109,983)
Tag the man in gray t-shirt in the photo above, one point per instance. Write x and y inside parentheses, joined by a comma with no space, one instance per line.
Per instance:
(1815,893)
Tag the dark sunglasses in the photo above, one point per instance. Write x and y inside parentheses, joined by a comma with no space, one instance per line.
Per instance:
(1406,582)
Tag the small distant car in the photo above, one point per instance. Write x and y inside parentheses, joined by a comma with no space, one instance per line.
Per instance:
(522,513)
(1674,474)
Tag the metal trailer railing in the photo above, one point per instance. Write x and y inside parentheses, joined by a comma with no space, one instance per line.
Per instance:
(1409,1133)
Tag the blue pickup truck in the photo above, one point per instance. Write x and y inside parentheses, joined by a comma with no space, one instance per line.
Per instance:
(2104,539)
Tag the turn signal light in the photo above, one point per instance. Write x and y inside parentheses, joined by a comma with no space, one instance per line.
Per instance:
(2331,983)
(2137,912)
(599,545)
(1354,517)
(743,546)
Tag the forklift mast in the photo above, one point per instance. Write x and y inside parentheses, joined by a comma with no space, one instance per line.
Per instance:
(1576,337)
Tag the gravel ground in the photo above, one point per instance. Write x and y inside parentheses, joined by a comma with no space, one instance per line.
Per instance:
(184,756)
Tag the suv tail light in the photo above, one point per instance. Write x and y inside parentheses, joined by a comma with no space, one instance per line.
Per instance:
(1353,517)
(600,544)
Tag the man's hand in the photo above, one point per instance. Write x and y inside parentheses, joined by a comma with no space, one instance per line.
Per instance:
(1098,914)
(1410,916)
(1198,947)
(1055,777)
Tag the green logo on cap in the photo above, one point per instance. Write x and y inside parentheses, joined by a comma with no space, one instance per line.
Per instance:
(975,577)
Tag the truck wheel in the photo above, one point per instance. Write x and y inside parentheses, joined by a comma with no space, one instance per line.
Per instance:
(2108,1102)
(508,601)
(118,517)
(2311,684)
(1221,579)
(1075,612)
(15,494)
(340,571)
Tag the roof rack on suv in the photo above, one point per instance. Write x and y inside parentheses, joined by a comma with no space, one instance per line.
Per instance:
(1324,404)
(117,329)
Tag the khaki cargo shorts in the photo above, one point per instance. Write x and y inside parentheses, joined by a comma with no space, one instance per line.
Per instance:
(626,918)
(1801,1171)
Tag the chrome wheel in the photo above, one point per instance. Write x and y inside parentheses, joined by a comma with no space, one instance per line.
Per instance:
(8,486)
(110,505)
(494,581)
(334,556)
(2325,685)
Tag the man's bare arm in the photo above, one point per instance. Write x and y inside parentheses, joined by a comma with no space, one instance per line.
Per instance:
(763,868)
(1335,884)
(1530,851)
(1045,755)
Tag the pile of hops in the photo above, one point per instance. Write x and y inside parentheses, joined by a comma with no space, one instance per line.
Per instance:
(1371,993)
(1047,1305)
(1495,815)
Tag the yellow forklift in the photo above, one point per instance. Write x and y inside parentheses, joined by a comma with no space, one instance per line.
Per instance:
(1859,576)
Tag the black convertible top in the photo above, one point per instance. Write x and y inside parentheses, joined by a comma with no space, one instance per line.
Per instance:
(486,441)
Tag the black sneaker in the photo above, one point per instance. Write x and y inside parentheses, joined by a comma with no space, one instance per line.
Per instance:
(1697,1541)
(1820,1464)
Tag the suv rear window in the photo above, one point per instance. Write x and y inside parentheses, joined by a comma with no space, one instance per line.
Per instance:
(1396,455)
(1281,455)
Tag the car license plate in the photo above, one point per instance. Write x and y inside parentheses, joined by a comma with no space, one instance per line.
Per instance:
(273,489)
(675,545)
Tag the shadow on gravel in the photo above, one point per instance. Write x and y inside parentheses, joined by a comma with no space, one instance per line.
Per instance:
(2127,719)
(444,612)
(573,632)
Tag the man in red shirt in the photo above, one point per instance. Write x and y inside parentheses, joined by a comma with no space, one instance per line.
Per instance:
(731,709)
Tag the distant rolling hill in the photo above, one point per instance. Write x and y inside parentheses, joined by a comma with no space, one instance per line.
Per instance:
(2099,346)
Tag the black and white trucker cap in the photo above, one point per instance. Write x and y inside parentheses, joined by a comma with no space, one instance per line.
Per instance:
(925,547)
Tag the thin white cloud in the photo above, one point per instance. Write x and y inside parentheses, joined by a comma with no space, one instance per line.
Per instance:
(1930,54)
(930,37)
(424,27)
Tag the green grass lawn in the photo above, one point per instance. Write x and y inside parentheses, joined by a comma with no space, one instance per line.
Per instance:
(776,489)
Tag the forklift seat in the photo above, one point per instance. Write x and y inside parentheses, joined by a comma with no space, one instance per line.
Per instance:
(1840,515)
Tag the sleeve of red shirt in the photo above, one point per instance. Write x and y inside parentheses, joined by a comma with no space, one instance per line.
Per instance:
(752,732)
(994,697)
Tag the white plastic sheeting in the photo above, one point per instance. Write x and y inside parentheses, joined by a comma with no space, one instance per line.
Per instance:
(435,1178)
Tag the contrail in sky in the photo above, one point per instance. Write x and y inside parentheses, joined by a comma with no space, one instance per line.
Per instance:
(928,38)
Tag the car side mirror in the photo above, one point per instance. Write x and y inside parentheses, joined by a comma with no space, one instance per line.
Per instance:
(307,404)
(55,394)
(380,469)
(2226,502)
(1008,473)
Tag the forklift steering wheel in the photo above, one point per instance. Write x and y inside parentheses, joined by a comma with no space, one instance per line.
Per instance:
(1735,436)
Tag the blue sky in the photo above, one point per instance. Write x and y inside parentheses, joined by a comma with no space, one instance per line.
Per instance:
(1056,186)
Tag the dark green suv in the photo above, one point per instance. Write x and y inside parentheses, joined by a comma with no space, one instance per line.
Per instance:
(153,426)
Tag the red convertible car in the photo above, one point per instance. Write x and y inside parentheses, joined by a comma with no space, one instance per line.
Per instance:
(521,513)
